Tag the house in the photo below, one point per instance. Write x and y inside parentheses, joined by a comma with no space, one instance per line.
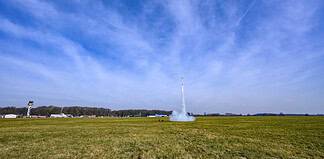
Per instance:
(62,115)
(10,116)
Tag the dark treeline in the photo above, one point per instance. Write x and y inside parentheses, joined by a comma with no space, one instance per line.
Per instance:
(282,114)
(258,114)
(138,112)
(78,111)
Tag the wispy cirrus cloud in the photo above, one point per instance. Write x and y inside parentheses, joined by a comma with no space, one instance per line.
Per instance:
(132,55)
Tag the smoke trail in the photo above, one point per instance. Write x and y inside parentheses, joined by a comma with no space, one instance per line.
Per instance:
(183,115)
(245,13)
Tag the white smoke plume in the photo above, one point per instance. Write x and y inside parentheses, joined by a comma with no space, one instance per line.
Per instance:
(183,115)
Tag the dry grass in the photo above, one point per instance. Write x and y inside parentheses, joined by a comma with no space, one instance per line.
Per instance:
(209,137)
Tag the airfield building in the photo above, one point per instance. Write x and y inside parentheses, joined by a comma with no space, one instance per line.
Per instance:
(157,115)
(10,116)
(38,116)
(62,115)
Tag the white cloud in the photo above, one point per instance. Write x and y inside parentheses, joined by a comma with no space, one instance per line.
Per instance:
(227,67)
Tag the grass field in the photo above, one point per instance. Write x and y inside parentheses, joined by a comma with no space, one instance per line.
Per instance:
(208,137)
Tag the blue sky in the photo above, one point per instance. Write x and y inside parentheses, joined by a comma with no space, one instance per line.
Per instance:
(242,56)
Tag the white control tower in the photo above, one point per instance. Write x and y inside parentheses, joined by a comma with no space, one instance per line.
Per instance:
(29,106)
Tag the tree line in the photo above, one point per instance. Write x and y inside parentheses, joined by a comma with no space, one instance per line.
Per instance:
(78,111)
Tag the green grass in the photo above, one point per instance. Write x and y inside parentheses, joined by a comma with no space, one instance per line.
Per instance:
(208,137)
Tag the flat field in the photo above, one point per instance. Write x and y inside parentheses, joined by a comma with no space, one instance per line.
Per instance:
(207,137)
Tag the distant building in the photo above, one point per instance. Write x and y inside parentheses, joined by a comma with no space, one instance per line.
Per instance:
(160,115)
(157,115)
(69,115)
(10,116)
(62,115)
(37,116)
(87,116)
